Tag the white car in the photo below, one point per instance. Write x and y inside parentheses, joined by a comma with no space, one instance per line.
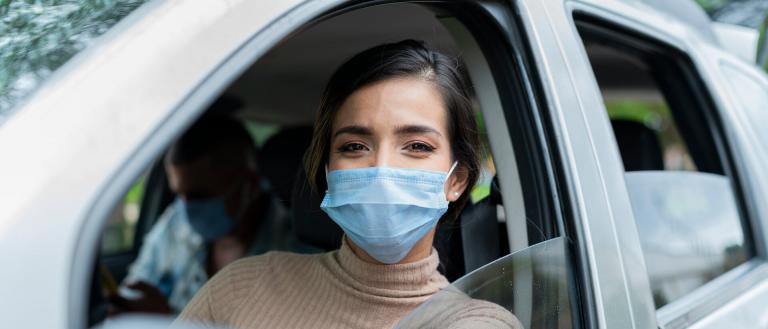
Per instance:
(626,186)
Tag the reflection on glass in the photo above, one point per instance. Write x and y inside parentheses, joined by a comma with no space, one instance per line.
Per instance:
(531,283)
(655,116)
(37,37)
(689,229)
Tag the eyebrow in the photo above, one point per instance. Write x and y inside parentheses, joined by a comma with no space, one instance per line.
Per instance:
(400,130)
(353,130)
(416,129)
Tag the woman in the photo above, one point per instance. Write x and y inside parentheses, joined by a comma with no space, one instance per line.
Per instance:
(394,150)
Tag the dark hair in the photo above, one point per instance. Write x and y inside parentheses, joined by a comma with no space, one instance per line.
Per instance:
(218,137)
(408,58)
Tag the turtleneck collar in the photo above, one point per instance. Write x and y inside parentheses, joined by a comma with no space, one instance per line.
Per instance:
(417,278)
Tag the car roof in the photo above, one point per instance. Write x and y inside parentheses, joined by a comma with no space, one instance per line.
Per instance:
(285,85)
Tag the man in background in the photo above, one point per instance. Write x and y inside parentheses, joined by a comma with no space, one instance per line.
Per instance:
(214,220)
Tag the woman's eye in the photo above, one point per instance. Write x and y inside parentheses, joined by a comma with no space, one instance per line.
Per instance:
(352,147)
(420,147)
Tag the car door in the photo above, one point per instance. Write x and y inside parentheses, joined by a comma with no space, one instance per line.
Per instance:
(713,276)
(607,239)
(120,105)
(745,91)
(719,157)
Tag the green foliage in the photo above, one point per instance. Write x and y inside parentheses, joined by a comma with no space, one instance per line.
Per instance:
(710,5)
(39,36)
(652,114)
(136,192)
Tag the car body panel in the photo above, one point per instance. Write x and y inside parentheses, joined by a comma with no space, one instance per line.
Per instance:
(616,259)
(594,166)
(62,148)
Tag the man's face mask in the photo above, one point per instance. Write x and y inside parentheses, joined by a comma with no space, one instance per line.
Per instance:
(209,217)
(385,211)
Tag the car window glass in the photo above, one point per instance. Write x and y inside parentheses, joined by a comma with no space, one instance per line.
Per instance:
(652,112)
(530,283)
(678,176)
(38,37)
(636,107)
(689,226)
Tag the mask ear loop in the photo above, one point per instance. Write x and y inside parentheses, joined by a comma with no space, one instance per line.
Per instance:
(450,171)
(326,178)
(455,163)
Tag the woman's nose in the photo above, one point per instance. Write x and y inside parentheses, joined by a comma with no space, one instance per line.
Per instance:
(381,158)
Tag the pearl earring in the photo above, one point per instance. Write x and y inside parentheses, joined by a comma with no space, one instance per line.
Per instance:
(456,193)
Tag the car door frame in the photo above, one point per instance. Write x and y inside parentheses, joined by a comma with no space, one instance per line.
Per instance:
(743,292)
(637,19)
(226,71)
(592,168)
(726,289)
(178,113)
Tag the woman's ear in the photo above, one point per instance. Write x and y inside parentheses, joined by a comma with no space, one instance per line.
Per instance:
(457,183)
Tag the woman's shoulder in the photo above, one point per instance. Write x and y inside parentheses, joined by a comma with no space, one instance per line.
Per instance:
(476,313)
(247,267)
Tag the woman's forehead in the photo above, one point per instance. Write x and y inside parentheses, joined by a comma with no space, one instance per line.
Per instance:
(389,105)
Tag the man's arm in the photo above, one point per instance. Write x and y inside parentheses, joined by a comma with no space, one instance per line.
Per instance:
(147,266)
(145,273)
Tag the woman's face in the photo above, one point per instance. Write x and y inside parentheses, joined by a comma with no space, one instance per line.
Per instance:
(400,123)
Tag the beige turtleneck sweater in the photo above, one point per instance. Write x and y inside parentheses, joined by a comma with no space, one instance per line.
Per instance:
(333,290)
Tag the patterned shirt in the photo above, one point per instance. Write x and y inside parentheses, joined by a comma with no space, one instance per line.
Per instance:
(173,256)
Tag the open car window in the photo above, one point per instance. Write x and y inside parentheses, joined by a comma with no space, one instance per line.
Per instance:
(512,205)
(531,283)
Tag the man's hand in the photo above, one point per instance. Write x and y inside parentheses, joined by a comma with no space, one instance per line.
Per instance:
(150,301)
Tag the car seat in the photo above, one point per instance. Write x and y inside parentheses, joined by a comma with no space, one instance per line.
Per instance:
(280,158)
(639,146)
(476,237)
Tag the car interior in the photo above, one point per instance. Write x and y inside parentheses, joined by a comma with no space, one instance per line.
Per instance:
(280,93)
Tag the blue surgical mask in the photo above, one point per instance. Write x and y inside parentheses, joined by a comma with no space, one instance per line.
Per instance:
(385,211)
(208,217)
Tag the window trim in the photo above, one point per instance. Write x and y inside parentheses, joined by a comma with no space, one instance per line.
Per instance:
(724,288)
(509,71)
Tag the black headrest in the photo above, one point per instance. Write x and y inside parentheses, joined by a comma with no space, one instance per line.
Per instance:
(472,240)
(639,146)
(312,225)
(281,157)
